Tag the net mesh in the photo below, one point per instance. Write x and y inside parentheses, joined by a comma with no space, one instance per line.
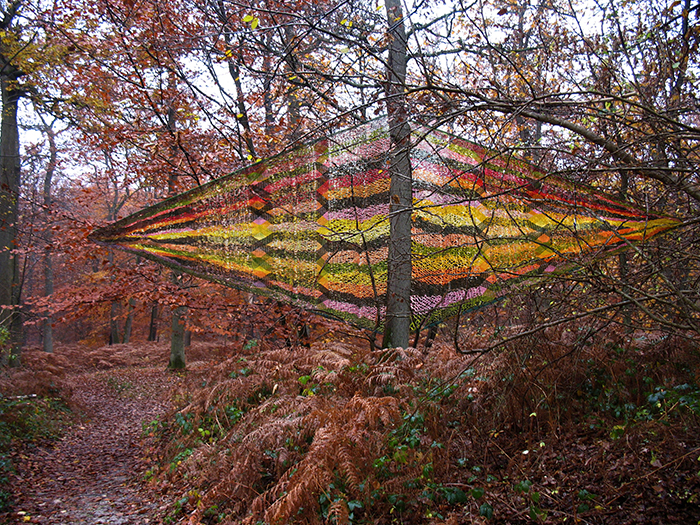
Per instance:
(312,227)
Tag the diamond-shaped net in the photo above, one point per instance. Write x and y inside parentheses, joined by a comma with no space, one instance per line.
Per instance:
(312,227)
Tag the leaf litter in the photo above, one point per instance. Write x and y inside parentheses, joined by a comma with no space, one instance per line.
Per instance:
(94,473)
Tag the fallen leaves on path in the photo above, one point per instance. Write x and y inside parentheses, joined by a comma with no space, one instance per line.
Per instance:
(95,473)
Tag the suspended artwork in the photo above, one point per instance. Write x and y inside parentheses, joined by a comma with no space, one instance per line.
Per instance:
(311,228)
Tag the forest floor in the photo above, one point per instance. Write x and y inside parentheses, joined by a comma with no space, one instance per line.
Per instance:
(93,474)
(258,432)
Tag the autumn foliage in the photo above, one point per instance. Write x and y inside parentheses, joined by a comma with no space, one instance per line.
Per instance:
(574,400)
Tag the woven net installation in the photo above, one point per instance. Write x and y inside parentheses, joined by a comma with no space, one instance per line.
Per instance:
(311,228)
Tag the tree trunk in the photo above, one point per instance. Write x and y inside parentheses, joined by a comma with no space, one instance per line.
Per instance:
(398,293)
(235,73)
(47,329)
(622,260)
(177,323)
(114,331)
(177,339)
(10,321)
(267,95)
(129,320)
(153,325)
(292,92)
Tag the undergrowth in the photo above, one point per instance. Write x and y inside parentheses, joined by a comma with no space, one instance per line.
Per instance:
(25,420)
(544,430)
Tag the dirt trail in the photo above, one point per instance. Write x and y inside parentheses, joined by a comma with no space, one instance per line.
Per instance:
(94,474)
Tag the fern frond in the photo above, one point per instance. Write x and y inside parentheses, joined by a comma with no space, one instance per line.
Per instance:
(339,512)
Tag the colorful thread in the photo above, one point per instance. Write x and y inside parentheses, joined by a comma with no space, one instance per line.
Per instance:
(311,227)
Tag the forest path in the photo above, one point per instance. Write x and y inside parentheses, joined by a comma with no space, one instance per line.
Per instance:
(94,474)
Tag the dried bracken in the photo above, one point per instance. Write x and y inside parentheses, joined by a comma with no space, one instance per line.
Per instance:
(552,428)
(336,433)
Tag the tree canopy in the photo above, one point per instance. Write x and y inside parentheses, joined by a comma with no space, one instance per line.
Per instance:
(153,98)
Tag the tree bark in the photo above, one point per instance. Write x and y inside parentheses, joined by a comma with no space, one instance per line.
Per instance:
(177,332)
(153,325)
(623,262)
(398,295)
(129,320)
(47,329)
(9,214)
(267,95)
(177,339)
(114,332)
(292,93)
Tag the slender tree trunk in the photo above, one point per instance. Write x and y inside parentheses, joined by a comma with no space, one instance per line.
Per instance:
(398,294)
(225,18)
(267,95)
(114,331)
(622,260)
(292,93)
(235,73)
(178,333)
(153,325)
(114,312)
(10,320)
(177,339)
(129,320)
(177,321)
(47,328)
